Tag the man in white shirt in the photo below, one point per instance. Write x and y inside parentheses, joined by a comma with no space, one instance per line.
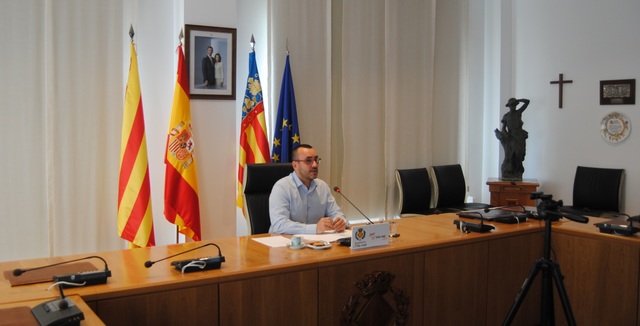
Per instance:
(302,203)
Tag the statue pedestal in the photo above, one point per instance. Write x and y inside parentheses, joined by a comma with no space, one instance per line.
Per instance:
(512,193)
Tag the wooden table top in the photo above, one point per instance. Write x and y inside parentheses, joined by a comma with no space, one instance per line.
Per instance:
(246,258)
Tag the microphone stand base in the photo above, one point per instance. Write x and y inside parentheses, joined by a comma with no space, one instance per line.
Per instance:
(198,264)
(473,227)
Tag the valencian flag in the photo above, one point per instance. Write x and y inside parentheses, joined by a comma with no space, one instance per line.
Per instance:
(135,221)
(181,206)
(286,132)
(254,147)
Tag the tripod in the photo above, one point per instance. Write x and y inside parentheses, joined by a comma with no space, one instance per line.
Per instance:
(550,269)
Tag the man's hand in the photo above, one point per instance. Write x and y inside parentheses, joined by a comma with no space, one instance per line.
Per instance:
(324,224)
(339,224)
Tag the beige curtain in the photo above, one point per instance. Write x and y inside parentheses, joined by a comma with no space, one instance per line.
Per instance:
(370,111)
(62,87)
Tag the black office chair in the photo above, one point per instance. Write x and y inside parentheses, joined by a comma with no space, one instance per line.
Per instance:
(596,191)
(450,189)
(414,189)
(258,182)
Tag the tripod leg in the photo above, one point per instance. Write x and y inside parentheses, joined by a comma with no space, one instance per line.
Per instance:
(562,292)
(523,292)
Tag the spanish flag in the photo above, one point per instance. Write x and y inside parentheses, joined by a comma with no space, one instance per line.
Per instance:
(254,146)
(135,221)
(181,205)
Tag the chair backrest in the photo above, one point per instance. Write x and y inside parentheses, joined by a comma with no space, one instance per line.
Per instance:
(258,182)
(414,190)
(597,189)
(449,185)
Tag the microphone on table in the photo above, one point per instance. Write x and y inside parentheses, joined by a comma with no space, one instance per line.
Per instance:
(625,230)
(468,227)
(77,279)
(194,264)
(336,189)
(513,218)
(61,311)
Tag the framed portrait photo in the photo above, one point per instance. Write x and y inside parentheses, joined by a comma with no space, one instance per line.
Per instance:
(210,55)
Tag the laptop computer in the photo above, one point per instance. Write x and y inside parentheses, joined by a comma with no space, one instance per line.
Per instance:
(497,215)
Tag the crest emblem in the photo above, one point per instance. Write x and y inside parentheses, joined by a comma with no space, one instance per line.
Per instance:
(181,144)
(360,234)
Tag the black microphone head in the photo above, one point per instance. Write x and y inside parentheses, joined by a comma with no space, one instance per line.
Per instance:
(487,210)
(17,272)
(336,189)
(63,304)
(148,263)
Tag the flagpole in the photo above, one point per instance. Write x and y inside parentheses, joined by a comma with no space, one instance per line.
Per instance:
(180,36)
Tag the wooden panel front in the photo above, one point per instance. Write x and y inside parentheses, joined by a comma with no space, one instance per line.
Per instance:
(456,285)
(601,279)
(512,193)
(283,299)
(337,284)
(193,306)
(509,263)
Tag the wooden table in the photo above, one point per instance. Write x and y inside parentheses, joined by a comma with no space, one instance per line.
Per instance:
(90,318)
(450,278)
(512,193)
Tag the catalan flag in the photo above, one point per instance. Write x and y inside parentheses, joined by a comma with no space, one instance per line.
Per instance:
(135,221)
(254,147)
(181,205)
(286,134)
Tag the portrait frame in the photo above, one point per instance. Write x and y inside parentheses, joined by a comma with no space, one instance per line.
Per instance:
(619,91)
(223,41)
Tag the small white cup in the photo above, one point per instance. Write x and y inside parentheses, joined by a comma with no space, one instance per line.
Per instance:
(296,241)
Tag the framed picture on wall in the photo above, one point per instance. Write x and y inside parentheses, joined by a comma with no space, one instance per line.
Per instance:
(210,55)
(621,91)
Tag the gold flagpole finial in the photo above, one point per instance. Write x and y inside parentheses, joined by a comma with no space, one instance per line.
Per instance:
(253,43)
(180,36)
(287,46)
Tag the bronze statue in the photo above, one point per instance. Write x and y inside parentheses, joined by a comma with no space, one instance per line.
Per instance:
(513,139)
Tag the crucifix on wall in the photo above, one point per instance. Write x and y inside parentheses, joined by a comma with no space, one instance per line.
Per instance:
(561,81)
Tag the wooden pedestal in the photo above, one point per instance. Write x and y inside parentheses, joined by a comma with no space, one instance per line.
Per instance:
(511,193)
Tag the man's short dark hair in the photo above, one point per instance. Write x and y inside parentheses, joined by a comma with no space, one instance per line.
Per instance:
(294,152)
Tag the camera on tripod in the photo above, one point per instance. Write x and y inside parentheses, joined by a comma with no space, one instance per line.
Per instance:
(547,206)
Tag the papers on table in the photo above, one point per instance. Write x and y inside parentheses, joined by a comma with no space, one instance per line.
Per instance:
(281,241)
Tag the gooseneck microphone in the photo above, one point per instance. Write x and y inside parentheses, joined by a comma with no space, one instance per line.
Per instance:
(78,279)
(19,271)
(468,227)
(336,189)
(195,264)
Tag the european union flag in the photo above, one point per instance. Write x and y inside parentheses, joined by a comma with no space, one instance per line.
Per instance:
(286,133)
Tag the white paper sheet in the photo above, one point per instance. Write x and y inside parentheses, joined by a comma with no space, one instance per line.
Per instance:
(280,241)
(274,241)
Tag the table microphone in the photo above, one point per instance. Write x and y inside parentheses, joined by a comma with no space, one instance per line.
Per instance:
(195,264)
(336,189)
(82,278)
(474,227)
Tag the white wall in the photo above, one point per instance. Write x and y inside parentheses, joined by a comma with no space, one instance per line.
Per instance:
(588,41)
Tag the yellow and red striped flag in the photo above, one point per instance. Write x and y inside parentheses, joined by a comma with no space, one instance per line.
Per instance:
(135,221)
(181,205)
(254,147)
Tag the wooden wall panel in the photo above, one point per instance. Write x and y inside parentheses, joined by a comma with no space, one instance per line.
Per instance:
(284,299)
(601,279)
(455,285)
(337,284)
(188,306)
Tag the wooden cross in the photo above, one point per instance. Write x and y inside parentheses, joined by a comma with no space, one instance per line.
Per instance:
(560,83)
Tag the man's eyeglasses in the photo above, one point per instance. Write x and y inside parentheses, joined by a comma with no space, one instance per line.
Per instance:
(309,161)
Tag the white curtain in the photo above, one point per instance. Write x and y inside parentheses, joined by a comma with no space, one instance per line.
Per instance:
(62,85)
(377,116)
